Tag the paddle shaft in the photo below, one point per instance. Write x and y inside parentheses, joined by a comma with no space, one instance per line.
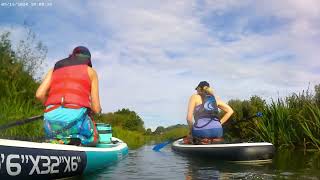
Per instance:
(20,122)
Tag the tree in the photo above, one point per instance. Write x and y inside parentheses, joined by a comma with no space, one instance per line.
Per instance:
(148,131)
(159,130)
(257,103)
(124,118)
(243,109)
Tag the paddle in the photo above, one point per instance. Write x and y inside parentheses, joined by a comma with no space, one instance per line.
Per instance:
(20,122)
(159,146)
(258,114)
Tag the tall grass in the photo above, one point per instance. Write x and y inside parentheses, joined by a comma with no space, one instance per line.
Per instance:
(17,88)
(290,122)
(309,121)
(17,109)
(277,125)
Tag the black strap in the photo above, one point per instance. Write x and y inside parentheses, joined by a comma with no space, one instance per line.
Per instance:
(72,61)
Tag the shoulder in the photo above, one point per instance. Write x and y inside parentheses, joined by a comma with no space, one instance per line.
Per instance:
(219,100)
(49,74)
(50,71)
(92,73)
(195,97)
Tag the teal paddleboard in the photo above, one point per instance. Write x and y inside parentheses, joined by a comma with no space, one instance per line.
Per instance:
(32,160)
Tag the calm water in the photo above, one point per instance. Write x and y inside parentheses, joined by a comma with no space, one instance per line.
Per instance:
(147,164)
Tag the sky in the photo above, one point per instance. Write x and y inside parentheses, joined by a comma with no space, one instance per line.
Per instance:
(150,55)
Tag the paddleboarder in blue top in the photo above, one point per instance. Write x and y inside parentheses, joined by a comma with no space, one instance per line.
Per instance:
(204,108)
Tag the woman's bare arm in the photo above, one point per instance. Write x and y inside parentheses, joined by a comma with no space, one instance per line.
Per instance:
(191,106)
(44,87)
(95,100)
(227,109)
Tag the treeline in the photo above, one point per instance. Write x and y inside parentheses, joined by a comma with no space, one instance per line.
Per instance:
(128,120)
(127,126)
(172,132)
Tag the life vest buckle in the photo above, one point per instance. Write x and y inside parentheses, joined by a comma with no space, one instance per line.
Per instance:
(62,101)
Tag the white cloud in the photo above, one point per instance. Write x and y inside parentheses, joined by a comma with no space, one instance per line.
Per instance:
(146,33)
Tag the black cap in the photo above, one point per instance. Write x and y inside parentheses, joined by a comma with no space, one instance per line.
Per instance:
(203,84)
(83,54)
(82,50)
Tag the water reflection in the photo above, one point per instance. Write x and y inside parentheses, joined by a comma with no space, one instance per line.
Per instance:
(297,164)
(147,164)
(211,169)
(286,164)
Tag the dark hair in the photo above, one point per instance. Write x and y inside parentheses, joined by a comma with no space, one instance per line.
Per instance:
(202,84)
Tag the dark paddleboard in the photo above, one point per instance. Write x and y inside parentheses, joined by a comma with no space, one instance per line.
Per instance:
(227,151)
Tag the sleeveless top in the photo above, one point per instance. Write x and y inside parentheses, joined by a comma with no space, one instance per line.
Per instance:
(208,108)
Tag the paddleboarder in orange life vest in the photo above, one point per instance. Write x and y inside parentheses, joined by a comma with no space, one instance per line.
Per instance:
(70,92)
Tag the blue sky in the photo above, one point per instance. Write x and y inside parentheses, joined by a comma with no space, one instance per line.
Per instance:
(151,54)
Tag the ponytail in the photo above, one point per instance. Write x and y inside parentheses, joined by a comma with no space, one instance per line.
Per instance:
(208,90)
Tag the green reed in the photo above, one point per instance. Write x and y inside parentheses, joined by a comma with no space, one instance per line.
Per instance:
(18,86)
(290,122)
(16,109)
(309,121)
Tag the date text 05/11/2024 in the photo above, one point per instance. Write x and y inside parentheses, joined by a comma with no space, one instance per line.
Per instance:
(25,4)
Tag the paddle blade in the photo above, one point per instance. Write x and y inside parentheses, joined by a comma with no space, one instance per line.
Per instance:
(160,146)
(259,114)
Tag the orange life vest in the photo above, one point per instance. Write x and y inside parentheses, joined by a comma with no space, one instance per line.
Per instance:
(70,84)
